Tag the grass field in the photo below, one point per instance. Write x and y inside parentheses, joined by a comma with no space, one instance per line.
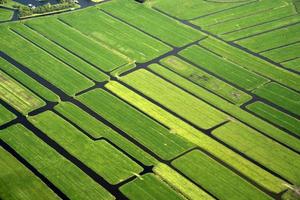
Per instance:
(5,15)
(179,100)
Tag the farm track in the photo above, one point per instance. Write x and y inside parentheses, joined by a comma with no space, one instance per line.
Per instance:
(113,189)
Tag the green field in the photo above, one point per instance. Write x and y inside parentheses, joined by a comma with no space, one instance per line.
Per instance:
(154,100)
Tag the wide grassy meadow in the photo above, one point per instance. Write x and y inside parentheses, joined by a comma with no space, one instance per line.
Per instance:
(152,100)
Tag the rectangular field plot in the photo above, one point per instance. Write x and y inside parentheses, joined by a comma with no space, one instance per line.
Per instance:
(94,52)
(97,129)
(190,108)
(5,14)
(273,39)
(60,53)
(293,64)
(215,178)
(223,68)
(284,53)
(6,115)
(57,169)
(280,96)
(17,182)
(100,156)
(42,63)
(252,63)
(149,133)
(117,35)
(149,187)
(203,79)
(193,135)
(267,152)
(180,183)
(17,95)
(189,9)
(275,116)
(167,30)
(27,81)
(233,110)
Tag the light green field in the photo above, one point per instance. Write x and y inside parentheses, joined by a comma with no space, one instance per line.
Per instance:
(5,15)
(284,53)
(293,64)
(94,52)
(270,154)
(61,172)
(194,110)
(271,114)
(6,115)
(201,78)
(160,140)
(97,129)
(217,179)
(167,30)
(17,95)
(22,183)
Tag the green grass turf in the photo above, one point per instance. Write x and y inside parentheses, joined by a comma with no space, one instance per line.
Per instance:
(17,95)
(152,135)
(192,109)
(223,68)
(5,14)
(180,183)
(61,172)
(277,117)
(272,39)
(94,52)
(42,63)
(282,96)
(262,149)
(293,64)
(27,81)
(138,15)
(233,110)
(18,182)
(215,178)
(117,35)
(60,53)
(191,134)
(189,9)
(6,115)
(284,53)
(97,155)
(258,65)
(148,187)
(98,130)
(201,78)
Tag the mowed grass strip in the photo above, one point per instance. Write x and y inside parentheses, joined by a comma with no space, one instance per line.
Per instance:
(149,187)
(267,152)
(200,139)
(6,115)
(275,116)
(97,129)
(201,78)
(5,14)
(233,110)
(284,53)
(223,68)
(281,96)
(140,16)
(100,156)
(94,52)
(17,95)
(293,64)
(215,178)
(116,34)
(272,39)
(190,9)
(28,81)
(257,65)
(180,183)
(143,129)
(60,53)
(43,64)
(190,108)
(18,182)
(57,169)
